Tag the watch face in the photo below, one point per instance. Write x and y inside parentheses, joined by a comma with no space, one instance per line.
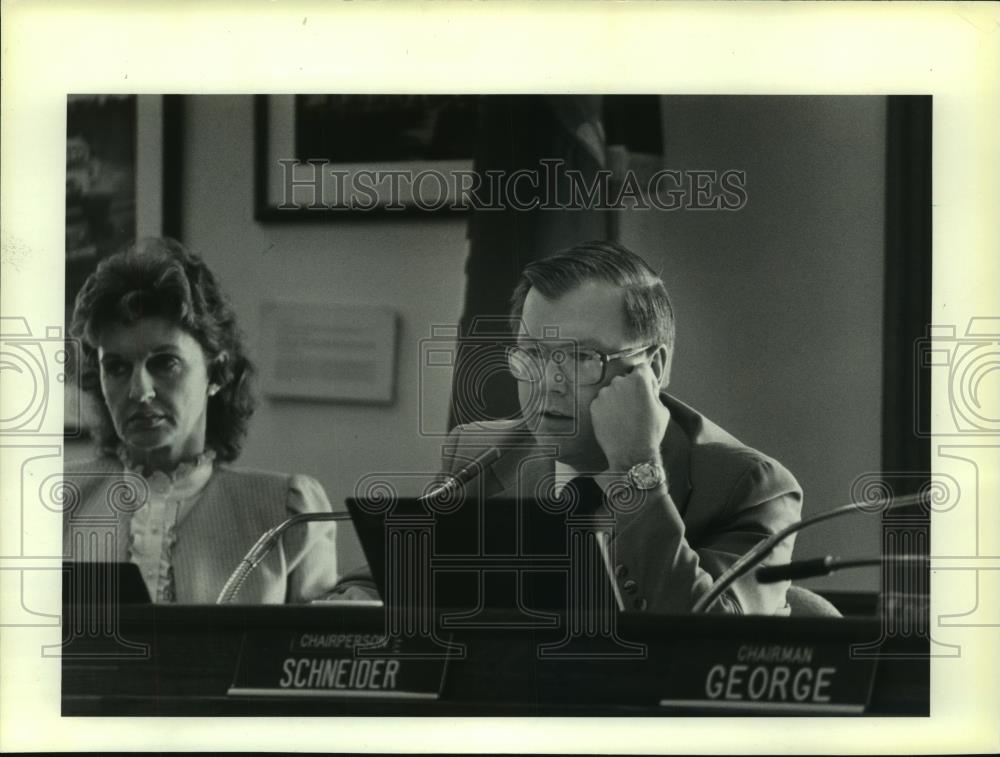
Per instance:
(646,475)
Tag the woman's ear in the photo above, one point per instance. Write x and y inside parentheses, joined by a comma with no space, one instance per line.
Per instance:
(217,373)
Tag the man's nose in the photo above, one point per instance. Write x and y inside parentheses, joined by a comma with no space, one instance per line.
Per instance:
(141,385)
(554,376)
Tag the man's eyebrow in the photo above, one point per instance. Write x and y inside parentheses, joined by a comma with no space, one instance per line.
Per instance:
(584,344)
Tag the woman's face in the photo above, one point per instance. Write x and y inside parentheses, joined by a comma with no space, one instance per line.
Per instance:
(154,378)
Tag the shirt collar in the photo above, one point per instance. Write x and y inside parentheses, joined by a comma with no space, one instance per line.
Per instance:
(563,475)
(186,480)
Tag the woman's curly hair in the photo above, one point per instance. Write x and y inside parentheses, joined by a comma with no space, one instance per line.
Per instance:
(160,278)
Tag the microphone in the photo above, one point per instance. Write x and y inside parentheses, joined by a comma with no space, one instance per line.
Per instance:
(823,566)
(761,550)
(263,546)
(456,481)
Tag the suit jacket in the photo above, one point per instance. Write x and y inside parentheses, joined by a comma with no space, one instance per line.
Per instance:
(721,499)
(234,509)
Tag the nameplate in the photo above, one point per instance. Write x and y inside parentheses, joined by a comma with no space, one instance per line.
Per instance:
(744,677)
(315,664)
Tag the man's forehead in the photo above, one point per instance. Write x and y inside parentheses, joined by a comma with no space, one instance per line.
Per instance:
(590,315)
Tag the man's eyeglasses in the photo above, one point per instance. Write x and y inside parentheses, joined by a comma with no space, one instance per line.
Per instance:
(580,366)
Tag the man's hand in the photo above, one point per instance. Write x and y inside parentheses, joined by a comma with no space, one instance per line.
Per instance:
(629,420)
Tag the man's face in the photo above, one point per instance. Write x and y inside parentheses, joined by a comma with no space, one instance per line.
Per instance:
(557,409)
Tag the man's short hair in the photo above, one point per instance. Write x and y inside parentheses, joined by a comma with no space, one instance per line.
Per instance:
(649,316)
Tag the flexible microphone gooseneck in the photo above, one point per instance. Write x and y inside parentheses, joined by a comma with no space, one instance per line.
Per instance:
(760,551)
(824,566)
(264,545)
(456,481)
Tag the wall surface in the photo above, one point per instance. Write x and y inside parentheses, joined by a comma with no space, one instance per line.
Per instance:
(779,305)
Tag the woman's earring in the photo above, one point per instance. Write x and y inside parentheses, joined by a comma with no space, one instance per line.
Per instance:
(213,389)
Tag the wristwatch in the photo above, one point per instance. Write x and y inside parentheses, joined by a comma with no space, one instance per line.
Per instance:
(646,476)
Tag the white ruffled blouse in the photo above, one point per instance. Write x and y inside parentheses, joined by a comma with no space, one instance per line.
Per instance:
(153,527)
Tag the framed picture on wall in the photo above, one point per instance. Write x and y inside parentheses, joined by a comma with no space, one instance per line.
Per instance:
(122,183)
(326,156)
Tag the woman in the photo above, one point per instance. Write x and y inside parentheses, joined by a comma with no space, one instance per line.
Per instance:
(166,365)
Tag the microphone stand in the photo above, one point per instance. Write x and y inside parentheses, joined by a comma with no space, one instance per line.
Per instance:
(761,550)
(263,546)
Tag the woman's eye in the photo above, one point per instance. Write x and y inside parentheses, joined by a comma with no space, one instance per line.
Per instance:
(115,369)
(164,364)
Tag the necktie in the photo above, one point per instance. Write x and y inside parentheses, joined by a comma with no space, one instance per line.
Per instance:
(584,494)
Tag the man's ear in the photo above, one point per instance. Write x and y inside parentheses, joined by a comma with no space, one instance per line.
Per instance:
(658,364)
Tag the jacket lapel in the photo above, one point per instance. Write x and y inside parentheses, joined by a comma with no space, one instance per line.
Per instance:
(676,453)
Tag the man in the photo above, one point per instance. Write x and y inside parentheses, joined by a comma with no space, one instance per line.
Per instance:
(594,347)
